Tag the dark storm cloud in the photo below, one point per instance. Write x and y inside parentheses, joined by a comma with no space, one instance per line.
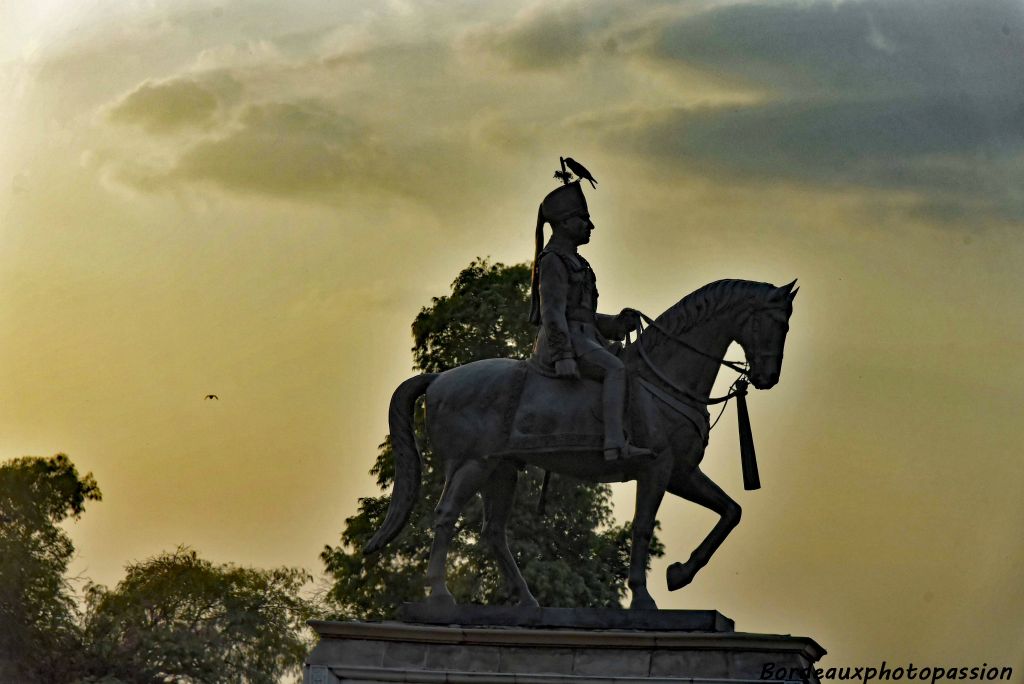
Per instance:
(919,96)
(829,140)
(959,155)
(856,48)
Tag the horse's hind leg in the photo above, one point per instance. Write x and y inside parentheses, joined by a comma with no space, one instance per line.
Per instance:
(466,481)
(693,485)
(499,494)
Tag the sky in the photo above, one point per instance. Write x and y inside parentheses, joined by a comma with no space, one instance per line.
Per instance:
(254,200)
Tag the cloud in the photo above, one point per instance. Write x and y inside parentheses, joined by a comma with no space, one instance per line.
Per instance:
(280,149)
(949,151)
(284,149)
(914,97)
(554,36)
(827,140)
(305,150)
(854,48)
(921,97)
(539,38)
(245,54)
(384,124)
(169,106)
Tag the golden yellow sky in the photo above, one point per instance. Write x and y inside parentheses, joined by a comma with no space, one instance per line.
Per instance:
(255,199)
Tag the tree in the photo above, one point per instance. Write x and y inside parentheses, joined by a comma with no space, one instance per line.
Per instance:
(573,555)
(177,617)
(39,634)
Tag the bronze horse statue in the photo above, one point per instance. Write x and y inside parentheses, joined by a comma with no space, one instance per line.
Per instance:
(673,364)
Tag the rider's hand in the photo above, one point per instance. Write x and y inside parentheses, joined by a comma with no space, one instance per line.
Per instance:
(567,368)
(628,321)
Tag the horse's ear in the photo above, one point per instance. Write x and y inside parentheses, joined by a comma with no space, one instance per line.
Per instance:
(792,295)
(780,293)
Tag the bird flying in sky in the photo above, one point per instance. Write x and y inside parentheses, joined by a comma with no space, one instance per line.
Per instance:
(213,396)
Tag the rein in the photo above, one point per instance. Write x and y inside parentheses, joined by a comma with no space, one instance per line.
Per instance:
(748,459)
(740,384)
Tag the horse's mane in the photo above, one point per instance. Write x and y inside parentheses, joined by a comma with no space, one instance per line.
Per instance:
(710,301)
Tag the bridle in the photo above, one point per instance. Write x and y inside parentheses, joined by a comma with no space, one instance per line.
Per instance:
(748,459)
(739,386)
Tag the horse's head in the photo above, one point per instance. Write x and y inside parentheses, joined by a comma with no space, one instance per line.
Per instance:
(763,334)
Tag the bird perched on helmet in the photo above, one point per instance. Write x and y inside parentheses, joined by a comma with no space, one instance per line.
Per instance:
(580,170)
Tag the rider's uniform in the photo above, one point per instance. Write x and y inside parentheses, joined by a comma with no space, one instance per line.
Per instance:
(567,309)
(565,306)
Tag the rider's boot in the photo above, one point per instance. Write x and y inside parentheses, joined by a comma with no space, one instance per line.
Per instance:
(613,395)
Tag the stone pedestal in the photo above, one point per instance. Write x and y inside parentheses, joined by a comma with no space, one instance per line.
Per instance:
(554,648)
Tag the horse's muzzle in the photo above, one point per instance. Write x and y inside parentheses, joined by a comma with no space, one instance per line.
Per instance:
(763,381)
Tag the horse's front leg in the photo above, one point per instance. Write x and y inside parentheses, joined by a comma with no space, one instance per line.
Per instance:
(693,485)
(650,489)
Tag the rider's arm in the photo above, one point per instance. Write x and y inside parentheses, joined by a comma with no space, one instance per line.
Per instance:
(617,327)
(554,290)
(609,327)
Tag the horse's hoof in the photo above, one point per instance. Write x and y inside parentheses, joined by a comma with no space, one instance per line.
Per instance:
(645,603)
(679,575)
(528,602)
(444,600)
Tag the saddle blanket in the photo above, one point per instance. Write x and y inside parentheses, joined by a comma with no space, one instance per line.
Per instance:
(555,414)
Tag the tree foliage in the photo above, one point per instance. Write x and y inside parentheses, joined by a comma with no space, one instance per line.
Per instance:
(573,555)
(174,618)
(177,617)
(37,609)
(486,316)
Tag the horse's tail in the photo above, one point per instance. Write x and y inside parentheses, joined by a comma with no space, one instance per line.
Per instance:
(407,460)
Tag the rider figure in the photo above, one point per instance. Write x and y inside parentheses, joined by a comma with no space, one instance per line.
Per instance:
(573,336)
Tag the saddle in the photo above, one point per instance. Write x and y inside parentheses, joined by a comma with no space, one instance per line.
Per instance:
(546,413)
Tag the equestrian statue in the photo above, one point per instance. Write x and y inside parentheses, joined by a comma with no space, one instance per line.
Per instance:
(588,406)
